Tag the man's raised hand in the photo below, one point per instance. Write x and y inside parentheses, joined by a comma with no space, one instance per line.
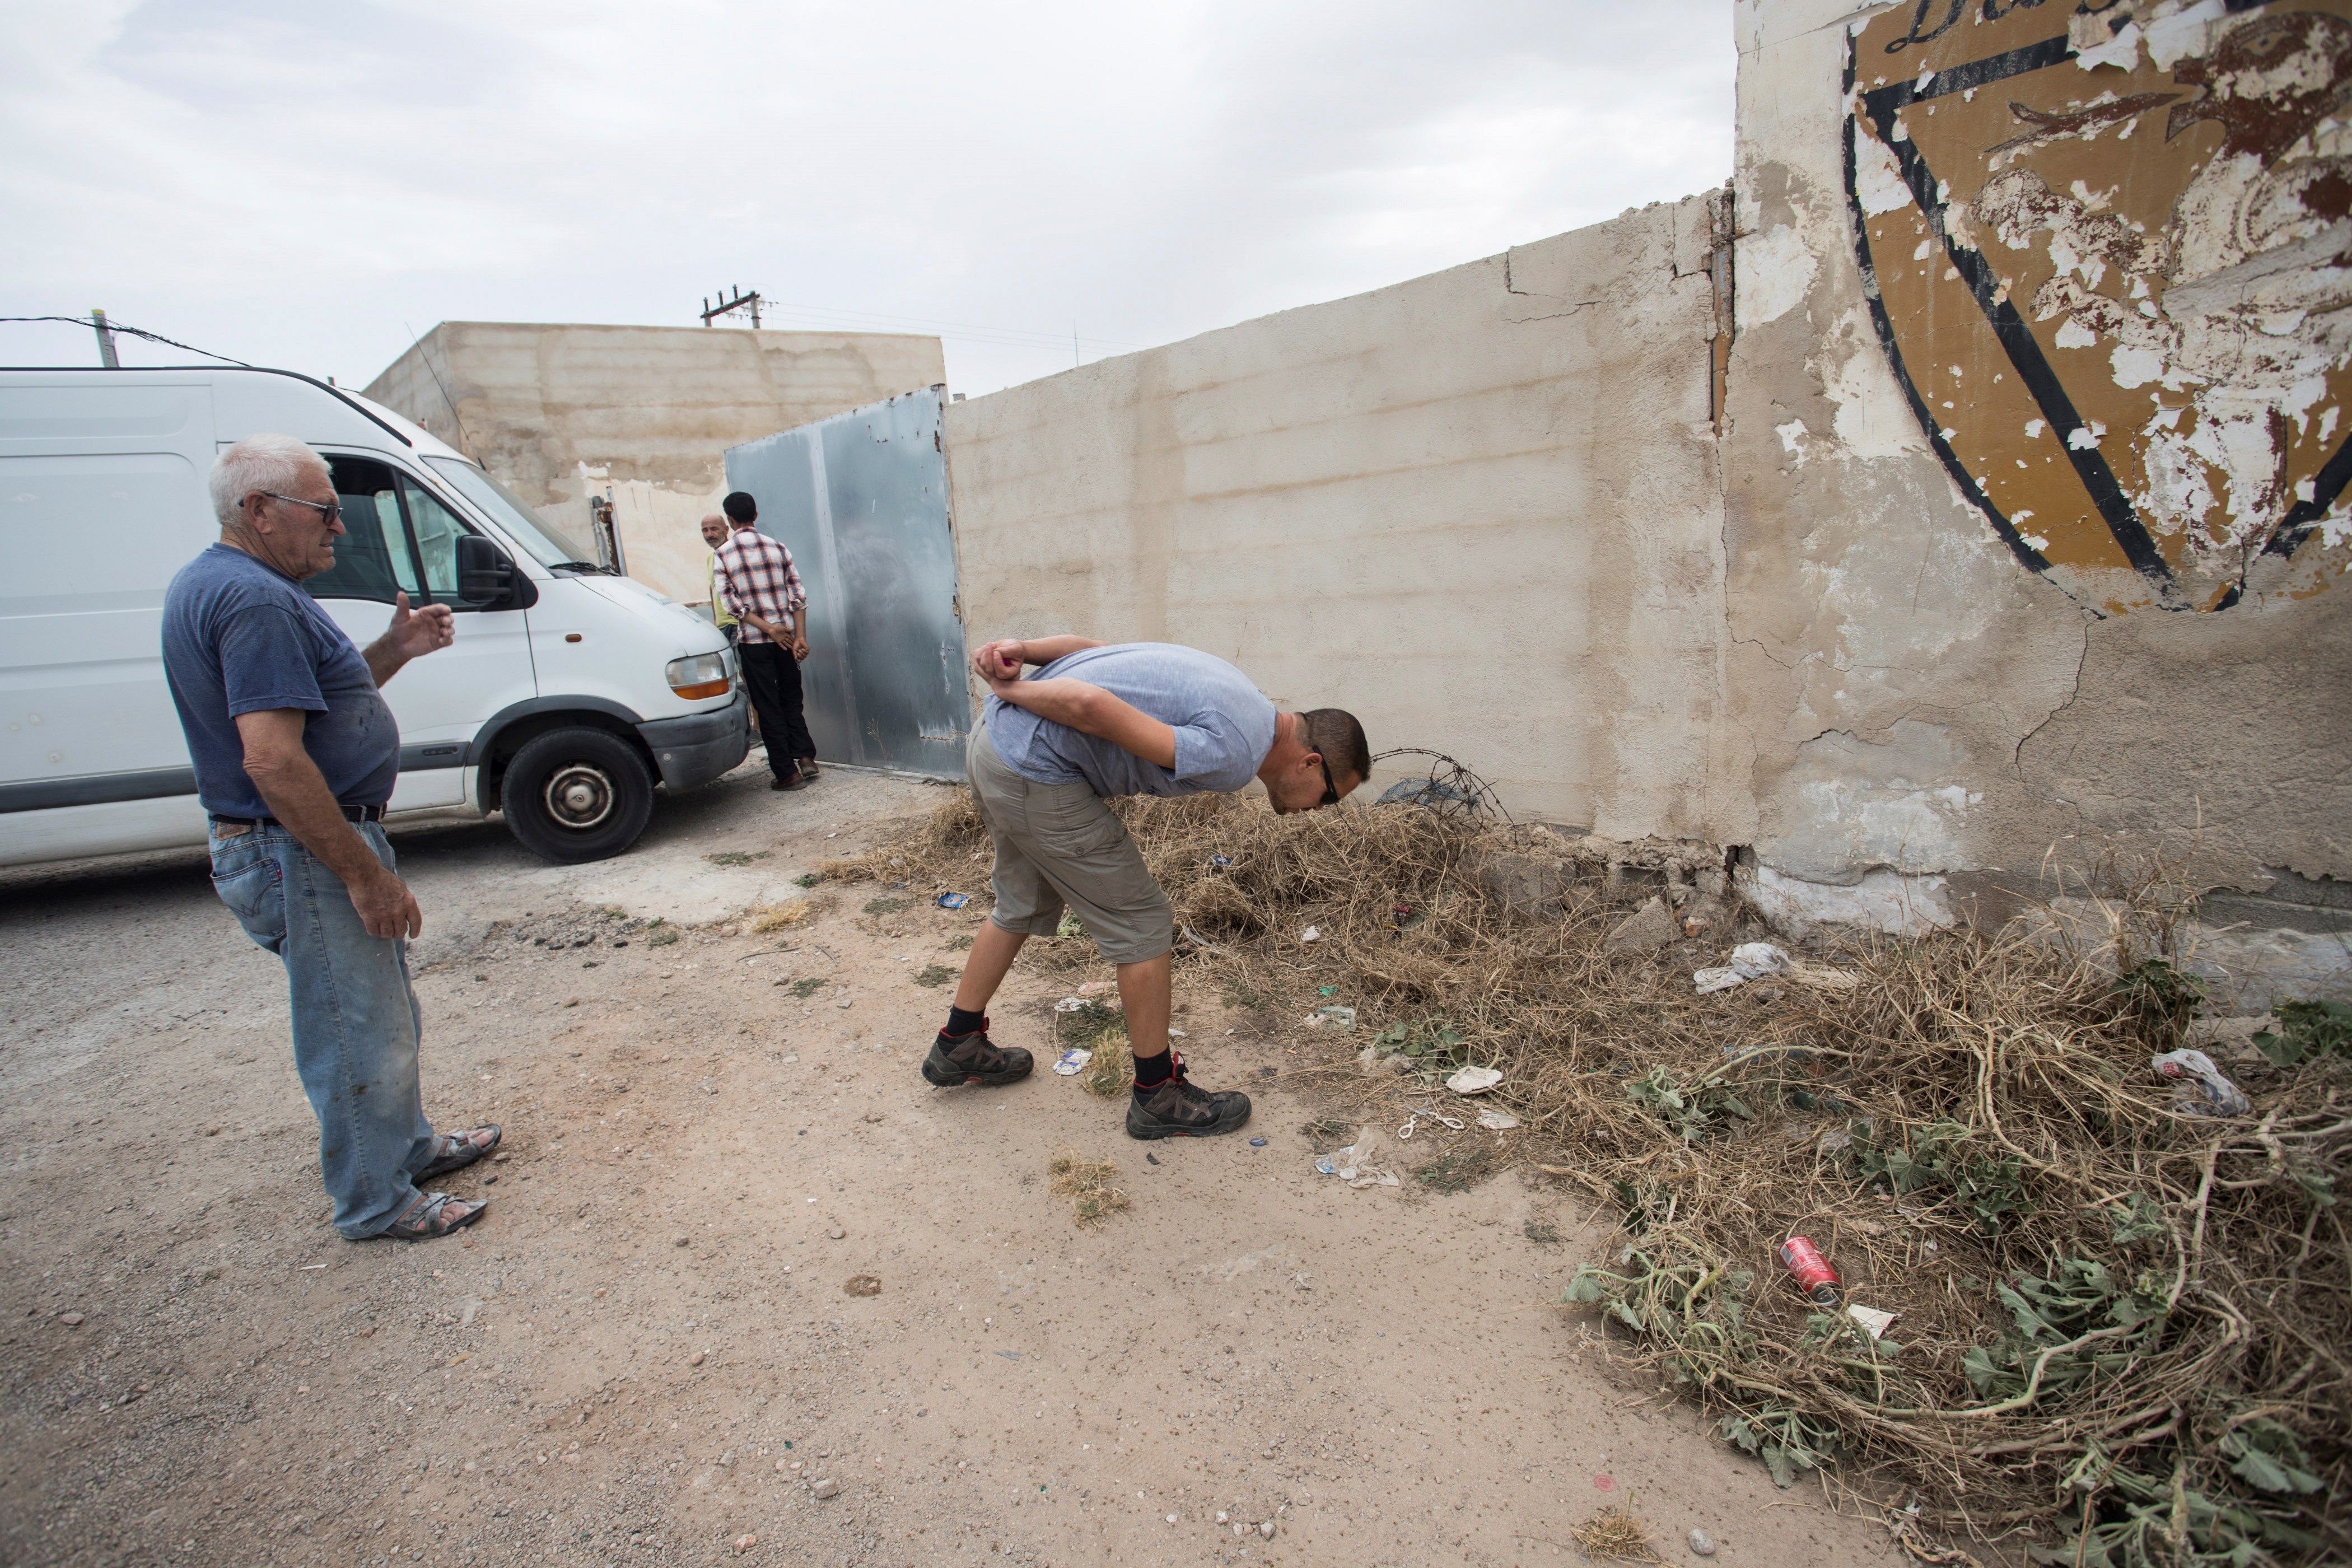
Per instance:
(416,633)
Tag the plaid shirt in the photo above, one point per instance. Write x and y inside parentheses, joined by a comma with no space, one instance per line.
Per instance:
(758,578)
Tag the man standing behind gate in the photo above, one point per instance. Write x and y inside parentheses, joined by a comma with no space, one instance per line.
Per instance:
(763,591)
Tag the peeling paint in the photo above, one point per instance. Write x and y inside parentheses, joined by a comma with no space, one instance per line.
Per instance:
(1776,270)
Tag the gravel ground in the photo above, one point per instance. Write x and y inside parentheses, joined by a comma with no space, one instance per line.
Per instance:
(648,1350)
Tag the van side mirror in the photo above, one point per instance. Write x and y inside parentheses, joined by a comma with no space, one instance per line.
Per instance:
(486,578)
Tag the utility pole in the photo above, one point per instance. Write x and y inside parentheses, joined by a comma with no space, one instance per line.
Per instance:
(748,303)
(105,340)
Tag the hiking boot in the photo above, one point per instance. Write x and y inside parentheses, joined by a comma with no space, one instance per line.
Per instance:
(1180,1108)
(972,1060)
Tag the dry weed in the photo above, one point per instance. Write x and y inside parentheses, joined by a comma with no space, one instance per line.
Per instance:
(2119,1329)
(1614,1535)
(1088,1184)
(777,917)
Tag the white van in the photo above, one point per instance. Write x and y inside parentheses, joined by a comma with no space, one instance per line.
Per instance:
(569,693)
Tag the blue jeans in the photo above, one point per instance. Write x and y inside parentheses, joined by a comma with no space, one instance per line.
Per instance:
(355,1019)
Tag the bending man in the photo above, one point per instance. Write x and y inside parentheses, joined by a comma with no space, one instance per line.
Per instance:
(1097,721)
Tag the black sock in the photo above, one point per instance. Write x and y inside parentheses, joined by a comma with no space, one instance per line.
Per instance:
(961,1022)
(1150,1073)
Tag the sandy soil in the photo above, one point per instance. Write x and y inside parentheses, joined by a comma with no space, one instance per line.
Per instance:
(647,1354)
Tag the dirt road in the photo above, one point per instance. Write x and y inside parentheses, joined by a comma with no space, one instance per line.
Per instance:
(647,1352)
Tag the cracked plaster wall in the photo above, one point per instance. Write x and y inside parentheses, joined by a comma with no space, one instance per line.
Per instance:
(1480,509)
(1905,700)
(560,412)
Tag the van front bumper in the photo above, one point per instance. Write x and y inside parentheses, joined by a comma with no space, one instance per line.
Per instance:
(699,747)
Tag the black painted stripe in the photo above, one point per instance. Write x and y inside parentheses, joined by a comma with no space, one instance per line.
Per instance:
(2033,559)
(2017,340)
(2304,515)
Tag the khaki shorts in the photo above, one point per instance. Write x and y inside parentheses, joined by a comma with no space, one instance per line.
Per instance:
(1057,843)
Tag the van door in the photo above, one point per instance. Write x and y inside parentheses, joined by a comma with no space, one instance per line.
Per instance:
(400,537)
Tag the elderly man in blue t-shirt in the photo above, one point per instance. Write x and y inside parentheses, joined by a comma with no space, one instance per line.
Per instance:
(1096,721)
(295,755)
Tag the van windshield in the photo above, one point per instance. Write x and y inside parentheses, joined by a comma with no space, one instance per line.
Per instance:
(545,542)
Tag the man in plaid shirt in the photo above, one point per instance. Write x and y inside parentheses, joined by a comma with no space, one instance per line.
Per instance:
(763,591)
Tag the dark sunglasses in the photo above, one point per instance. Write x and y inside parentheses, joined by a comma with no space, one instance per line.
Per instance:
(1330,786)
(328,511)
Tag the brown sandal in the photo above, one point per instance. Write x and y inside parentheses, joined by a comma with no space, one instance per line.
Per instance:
(428,1217)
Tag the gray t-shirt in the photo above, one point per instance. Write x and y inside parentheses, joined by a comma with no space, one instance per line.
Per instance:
(1224,727)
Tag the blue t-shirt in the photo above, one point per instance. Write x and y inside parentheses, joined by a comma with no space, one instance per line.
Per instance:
(1224,727)
(241,637)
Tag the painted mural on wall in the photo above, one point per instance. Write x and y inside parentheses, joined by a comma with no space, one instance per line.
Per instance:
(2109,251)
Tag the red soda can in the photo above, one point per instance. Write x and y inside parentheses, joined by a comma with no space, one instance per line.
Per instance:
(1814,1276)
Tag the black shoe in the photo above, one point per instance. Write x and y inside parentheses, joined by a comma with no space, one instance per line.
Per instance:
(1179,1109)
(973,1060)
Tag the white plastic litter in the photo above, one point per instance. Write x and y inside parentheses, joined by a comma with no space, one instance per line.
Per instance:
(2212,1094)
(1332,1017)
(1098,987)
(1496,1120)
(1070,1005)
(1312,933)
(1071,1062)
(1871,1320)
(1353,1164)
(1749,960)
(1474,1080)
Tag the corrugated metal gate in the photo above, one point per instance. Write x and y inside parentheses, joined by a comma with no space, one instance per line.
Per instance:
(861,500)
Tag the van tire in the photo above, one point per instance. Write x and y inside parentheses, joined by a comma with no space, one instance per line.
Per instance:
(577,795)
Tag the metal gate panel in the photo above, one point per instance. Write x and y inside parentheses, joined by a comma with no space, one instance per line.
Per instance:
(861,500)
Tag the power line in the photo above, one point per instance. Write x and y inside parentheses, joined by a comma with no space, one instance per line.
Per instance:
(114,326)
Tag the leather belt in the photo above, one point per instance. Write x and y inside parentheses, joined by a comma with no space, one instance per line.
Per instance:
(351,813)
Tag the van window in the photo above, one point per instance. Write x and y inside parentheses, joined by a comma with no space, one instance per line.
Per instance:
(438,531)
(372,559)
(545,542)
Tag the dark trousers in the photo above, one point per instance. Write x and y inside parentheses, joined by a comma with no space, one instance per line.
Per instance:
(772,676)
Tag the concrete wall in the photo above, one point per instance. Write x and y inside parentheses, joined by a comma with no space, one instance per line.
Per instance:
(1954,648)
(1480,509)
(640,414)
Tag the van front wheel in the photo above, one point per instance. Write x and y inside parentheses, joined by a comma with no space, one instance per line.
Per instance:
(577,795)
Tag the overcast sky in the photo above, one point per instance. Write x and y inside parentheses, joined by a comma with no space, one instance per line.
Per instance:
(309,185)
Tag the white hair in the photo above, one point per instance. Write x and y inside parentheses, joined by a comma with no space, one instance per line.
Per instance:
(275,463)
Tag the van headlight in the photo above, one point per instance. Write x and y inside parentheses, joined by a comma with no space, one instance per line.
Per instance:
(699,675)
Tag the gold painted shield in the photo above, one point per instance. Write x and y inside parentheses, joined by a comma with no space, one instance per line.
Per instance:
(2109,252)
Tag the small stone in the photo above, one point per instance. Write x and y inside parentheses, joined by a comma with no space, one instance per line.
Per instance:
(874,1118)
(1221,1516)
(212,1131)
(785,1467)
(571,1001)
(1172,1518)
(745,1543)
(707,1085)
(824,1487)
(1265,1527)
(835,1232)
(694,1359)
(71,1320)
(500,1158)
(598,1293)
(680,1240)
(1646,930)
(1702,1545)
(845,1002)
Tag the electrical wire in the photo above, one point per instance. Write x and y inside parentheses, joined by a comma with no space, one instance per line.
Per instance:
(114,326)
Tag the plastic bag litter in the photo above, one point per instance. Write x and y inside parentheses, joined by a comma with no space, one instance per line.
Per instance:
(1332,1017)
(2211,1094)
(1749,960)
(1071,1062)
(1496,1120)
(953,900)
(1474,1080)
(1353,1164)
(1312,933)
